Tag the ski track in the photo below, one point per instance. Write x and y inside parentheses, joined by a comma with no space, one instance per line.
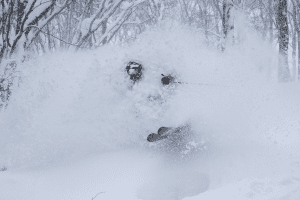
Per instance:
(75,130)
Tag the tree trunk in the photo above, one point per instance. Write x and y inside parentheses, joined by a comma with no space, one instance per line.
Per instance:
(104,28)
(206,20)
(91,7)
(226,20)
(271,21)
(283,39)
(49,38)
(298,35)
(297,25)
(264,22)
(227,26)
(294,44)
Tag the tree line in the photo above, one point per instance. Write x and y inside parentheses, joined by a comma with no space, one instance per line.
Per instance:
(39,26)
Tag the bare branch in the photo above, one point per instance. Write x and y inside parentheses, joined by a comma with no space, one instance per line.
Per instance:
(55,36)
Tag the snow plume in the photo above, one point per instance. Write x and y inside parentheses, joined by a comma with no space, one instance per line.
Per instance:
(76,105)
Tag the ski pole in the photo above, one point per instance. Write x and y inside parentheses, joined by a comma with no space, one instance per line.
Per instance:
(166,80)
(201,84)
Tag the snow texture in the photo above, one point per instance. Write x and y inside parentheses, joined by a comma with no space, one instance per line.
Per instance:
(76,127)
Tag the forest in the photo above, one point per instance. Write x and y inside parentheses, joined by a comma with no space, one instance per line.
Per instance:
(36,27)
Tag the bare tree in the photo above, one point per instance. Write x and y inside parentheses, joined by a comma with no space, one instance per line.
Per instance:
(296,20)
(271,21)
(226,18)
(22,21)
(293,25)
(283,40)
(227,21)
(113,12)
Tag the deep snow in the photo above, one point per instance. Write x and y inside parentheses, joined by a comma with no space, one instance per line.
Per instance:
(74,126)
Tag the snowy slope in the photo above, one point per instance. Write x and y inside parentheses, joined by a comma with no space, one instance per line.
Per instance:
(284,188)
(75,128)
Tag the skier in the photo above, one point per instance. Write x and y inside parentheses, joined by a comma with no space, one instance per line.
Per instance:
(135,72)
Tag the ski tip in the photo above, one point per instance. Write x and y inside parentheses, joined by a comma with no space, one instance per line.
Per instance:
(155,137)
(163,130)
(152,137)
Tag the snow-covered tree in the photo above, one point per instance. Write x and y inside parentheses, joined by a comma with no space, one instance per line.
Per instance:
(110,16)
(23,20)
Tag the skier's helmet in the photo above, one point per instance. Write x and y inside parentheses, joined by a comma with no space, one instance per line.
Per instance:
(134,70)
